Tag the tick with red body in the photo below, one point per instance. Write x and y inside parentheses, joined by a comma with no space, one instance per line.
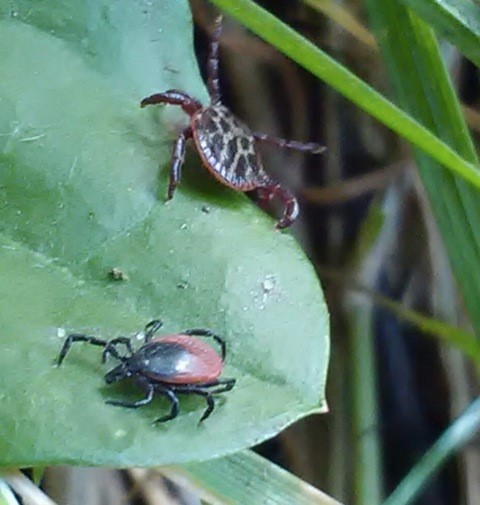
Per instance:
(166,365)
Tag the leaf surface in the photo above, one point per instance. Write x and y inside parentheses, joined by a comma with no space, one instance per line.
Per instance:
(83,174)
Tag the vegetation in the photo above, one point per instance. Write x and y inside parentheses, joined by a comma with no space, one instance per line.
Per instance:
(83,174)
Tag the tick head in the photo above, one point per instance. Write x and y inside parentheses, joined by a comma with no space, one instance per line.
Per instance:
(120,372)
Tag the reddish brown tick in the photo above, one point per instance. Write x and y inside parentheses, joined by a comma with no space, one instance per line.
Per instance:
(226,145)
(168,365)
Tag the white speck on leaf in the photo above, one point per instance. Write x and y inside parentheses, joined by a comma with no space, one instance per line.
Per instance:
(268,283)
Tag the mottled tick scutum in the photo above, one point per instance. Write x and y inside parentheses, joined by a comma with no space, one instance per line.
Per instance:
(226,145)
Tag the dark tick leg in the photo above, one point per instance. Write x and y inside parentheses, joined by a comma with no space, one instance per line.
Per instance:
(306,147)
(209,333)
(111,348)
(147,387)
(210,404)
(213,82)
(201,390)
(151,328)
(224,385)
(207,390)
(266,194)
(178,157)
(174,401)
(77,337)
(173,97)
(213,387)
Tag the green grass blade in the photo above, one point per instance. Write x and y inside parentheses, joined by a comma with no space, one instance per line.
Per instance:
(453,439)
(367,478)
(422,86)
(326,68)
(342,15)
(464,341)
(457,20)
(247,478)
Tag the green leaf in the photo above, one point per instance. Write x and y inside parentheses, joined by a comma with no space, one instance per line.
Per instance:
(457,20)
(83,174)
(267,483)
(306,54)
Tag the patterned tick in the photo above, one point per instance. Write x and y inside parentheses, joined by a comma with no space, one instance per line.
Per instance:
(226,145)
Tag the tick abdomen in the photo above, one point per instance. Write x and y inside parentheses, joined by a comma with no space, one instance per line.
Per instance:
(179,359)
(227,148)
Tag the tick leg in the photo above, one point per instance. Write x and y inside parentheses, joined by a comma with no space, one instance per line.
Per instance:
(151,328)
(200,390)
(169,393)
(220,385)
(213,82)
(210,404)
(178,157)
(111,348)
(305,147)
(201,332)
(291,205)
(147,387)
(173,97)
(78,337)
(204,389)
(224,385)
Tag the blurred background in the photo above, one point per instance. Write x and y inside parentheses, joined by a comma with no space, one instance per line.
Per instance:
(367,227)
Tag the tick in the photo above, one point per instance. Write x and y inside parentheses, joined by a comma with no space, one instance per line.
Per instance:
(226,145)
(167,365)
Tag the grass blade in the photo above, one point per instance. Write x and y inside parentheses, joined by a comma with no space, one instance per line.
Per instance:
(453,439)
(25,488)
(457,20)
(464,341)
(422,86)
(344,18)
(309,56)
(6,495)
(247,478)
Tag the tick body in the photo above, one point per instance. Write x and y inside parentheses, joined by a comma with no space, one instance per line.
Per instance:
(168,365)
(227,148)
(178,359)
(225,144)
